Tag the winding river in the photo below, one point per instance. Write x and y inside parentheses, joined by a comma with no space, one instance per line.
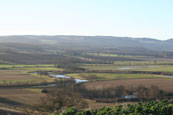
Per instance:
(67,77)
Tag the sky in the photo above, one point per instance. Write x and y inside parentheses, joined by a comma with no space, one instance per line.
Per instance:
(132,18)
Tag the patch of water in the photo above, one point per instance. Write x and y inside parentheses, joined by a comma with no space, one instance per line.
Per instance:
(168,76)
(60,76)
(67,77)
(126,68)
(80,80)
(153,66)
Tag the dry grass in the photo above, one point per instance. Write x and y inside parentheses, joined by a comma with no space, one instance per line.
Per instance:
(164,84)
(15,75)
(20,76)
(28,99)
(21,95)
(96,105)
(15,91)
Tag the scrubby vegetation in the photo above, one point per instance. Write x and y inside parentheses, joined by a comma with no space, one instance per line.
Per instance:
(119,93)
(163,107)
(57,100)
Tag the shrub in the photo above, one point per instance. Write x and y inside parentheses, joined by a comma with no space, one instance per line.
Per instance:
(44,91)
(163,107)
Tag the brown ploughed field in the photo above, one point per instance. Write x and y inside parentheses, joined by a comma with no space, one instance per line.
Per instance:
(164,84)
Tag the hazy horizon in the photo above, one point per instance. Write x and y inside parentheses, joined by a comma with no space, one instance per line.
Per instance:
(86,35)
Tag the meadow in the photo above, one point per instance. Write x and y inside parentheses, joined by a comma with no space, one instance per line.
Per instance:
(114,76)
(131,66)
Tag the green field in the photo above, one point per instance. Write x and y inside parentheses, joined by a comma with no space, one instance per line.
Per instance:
(128,67)
(116,55)
(111,76)
(29,67)
(103,54)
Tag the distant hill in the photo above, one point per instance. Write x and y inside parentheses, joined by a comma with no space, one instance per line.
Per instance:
(40,43)
(32,49)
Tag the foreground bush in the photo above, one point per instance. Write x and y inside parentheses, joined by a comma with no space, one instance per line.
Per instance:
(163,107)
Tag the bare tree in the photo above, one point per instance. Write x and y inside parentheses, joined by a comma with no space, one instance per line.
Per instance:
(154,92)
(142,92)
(58,100)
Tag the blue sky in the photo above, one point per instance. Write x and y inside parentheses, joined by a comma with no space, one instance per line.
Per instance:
(133,18)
